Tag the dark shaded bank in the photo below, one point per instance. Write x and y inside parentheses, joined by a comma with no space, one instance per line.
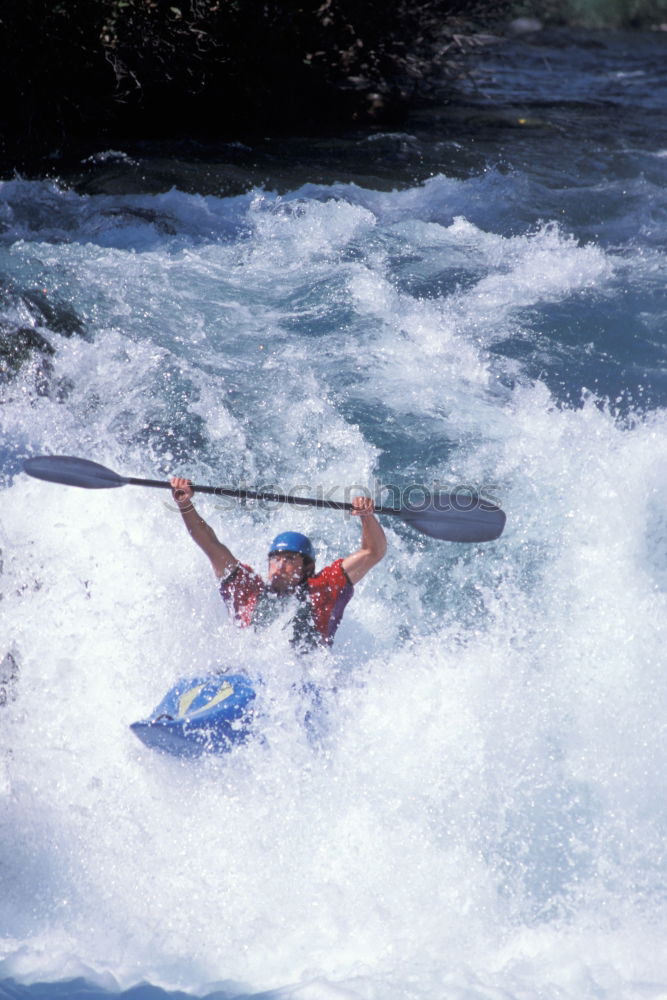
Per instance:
(77,75)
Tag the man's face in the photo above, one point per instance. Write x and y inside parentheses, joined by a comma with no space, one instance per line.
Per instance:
(285,571)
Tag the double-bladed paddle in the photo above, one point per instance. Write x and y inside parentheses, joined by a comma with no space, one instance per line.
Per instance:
(446,516)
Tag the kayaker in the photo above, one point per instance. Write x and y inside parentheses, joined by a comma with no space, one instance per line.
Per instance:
(319,599)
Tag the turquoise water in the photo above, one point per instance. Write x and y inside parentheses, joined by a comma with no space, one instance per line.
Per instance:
(485,816)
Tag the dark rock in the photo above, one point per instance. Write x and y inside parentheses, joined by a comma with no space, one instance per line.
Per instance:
(524,26)
(58,316)
(20,346)
(9,677)
(35,304)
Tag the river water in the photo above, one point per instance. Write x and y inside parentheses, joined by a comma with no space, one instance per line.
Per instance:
(477,299)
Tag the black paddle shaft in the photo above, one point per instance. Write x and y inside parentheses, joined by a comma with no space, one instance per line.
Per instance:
(242,494)
(442,515)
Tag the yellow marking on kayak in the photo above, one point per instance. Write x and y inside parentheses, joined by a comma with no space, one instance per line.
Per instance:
(186,699)
(225,691)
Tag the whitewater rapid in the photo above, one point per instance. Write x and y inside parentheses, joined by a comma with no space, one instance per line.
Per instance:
(485,814)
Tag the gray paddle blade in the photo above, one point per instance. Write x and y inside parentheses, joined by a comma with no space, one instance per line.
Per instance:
(454,519)
(72,472)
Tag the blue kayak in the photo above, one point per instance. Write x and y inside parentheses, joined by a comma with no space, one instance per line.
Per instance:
(201,715)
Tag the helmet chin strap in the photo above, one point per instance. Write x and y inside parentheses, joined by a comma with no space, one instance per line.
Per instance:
(308,569)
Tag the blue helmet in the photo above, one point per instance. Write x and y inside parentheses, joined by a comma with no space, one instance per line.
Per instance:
(293,541)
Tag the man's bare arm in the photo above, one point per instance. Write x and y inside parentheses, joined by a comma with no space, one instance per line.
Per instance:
(203,534)
(373,542)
